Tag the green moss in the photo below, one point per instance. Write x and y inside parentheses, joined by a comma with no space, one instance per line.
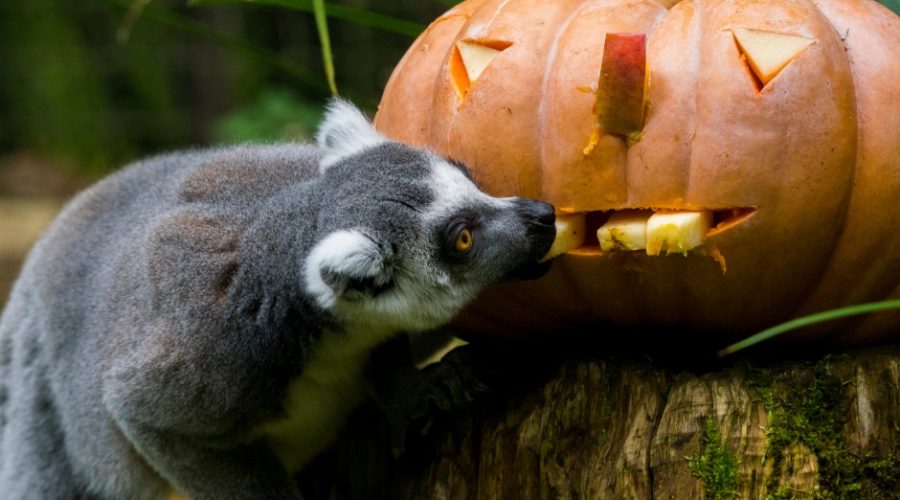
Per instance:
(715,466)
(807,406)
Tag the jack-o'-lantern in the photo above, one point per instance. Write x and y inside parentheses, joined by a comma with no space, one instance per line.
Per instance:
(728,163)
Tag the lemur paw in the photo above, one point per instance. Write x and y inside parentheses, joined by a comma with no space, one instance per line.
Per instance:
(411,399)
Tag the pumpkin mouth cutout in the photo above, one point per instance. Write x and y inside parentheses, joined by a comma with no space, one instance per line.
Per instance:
(654,232)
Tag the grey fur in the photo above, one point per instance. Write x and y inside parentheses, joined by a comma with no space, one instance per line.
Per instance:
(163,333)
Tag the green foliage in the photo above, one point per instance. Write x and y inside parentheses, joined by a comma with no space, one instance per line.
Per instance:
(52,89)
(715,466)
(172,19)
(277,114)
(810,412)
(894,5)
(355,15)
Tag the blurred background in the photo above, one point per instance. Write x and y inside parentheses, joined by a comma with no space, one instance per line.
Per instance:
(89,85)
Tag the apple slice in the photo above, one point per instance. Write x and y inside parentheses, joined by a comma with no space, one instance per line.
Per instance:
(625,230)
(622,88)
(677,232)
(768,53)
(570,233)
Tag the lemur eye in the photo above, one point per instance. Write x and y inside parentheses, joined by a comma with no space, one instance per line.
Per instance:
(463,240)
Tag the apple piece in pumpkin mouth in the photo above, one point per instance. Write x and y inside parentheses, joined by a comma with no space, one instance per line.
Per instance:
(570,233)
(625,230)
(677,232)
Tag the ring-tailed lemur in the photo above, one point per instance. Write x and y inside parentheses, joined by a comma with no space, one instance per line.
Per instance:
(200,320)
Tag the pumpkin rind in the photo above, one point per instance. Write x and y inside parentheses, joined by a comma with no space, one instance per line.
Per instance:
(816,151)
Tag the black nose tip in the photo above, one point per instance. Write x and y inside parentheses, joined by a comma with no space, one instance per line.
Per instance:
(537,211)
(545,213)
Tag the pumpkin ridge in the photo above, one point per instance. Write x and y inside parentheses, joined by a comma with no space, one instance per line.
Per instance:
(841,203)
(545,82)
(697,64)
(444,145)
(649,105)
(660,47)
(497,12)
(854,79)
(872,126)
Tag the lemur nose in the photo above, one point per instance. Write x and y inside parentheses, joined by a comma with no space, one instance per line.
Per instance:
(537,211)
(546,214)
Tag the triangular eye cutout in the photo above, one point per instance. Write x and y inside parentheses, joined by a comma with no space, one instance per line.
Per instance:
(470,58)
(768,53)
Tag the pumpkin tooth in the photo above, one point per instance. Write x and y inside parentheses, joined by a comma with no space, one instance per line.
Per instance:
(625,230)
(570,234)
(677,232)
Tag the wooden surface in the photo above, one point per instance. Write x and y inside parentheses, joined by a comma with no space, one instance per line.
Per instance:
(597,427)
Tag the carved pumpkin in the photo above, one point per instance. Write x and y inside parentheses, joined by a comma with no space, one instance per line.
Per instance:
(777,120)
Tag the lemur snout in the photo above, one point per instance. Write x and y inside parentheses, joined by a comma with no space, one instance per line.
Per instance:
(539,221)
(535,212)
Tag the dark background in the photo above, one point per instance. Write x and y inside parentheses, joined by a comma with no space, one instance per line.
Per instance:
(89,85)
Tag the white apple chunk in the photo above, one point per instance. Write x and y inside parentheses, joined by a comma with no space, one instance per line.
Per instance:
(570,233)
(475,57)
(625,230)
(768,53)
(677,232)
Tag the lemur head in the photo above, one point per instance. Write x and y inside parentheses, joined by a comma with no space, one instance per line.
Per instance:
(409,238)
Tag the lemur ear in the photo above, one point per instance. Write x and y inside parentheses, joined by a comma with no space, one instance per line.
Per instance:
(347,265)
(343,132)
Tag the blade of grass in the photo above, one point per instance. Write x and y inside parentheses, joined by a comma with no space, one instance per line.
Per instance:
(355,15)
(325,40)
(812,319)
(131,18)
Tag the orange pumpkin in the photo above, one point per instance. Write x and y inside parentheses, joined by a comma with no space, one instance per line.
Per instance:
(799,166)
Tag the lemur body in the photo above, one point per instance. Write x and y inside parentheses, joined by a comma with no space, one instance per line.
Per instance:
(201,320)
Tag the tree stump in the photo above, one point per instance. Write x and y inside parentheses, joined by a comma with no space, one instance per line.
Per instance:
(605,427)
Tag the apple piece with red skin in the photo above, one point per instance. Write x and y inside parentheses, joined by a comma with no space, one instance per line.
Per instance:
(622,88)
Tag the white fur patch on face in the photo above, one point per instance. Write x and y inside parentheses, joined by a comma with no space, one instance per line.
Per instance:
(454,191)
(344,132)
(342,256)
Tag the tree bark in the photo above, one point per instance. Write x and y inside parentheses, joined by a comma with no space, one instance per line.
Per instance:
(611,428)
